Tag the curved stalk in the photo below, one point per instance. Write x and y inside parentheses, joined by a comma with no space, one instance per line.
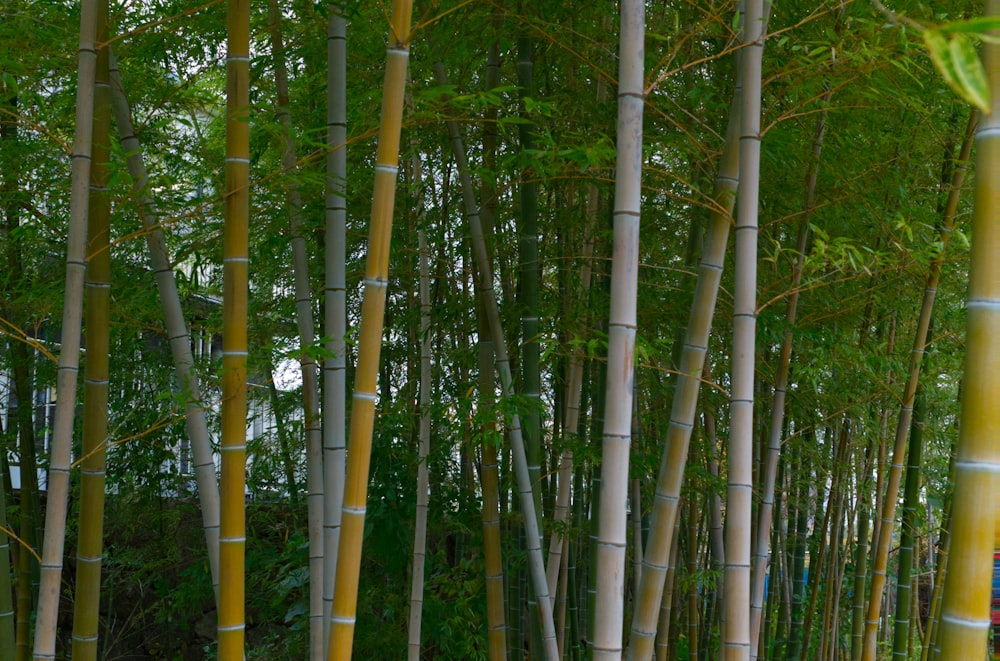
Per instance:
(345,594)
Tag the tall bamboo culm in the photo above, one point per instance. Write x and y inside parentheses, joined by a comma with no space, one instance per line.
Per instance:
(965,612)
(496,622)
(736,599)
(179,336)
(50,590)
(487,297)
(420,526)
(656,557)
(235,273)
(334,305)
(307,334)
(345,594)
(611,537)
(90,545)
(888,514)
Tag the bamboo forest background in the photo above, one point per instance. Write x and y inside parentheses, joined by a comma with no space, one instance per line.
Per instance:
(777,479)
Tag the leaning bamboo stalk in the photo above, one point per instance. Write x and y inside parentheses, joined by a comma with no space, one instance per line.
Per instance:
(612,534)
(736,600)
(484,280)
(683,408)
(574,386)
(50,590)
(965,611)
(334,304)
(888,513)
(307,335)
(178,334)
(90,545)
(345,594)
(765,516)
(235,275)
(424,404)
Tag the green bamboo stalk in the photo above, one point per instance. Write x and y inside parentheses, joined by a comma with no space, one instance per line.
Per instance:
(345,593)
(235,274)
(90,545)
(888,514)
(904,561)
(612,535)
(490,476)
(861,560)
(50,590)
(334,306)
(307,335)
(485,293)
(9,648)
(179,336)
(765,514)
(965,612)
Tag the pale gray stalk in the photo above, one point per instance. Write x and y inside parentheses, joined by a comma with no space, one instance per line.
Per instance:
(611,536)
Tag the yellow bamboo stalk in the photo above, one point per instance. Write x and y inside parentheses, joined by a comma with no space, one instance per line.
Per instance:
(50,590)
(965,612)
(95,408)
(235,273)
(345,594)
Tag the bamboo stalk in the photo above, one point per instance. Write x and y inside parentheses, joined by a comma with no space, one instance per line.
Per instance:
(888,513)
(178,334)
(335,306)
(736,601)
(612,534)
(50,590)
(307,335)
(235,274)
(485,293)
(345,594)
(965,611)
(86,604)
(420,526)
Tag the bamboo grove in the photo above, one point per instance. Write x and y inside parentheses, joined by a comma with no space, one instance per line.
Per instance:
(501,331)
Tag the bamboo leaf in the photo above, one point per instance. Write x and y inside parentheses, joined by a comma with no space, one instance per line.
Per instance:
(971,74)
(959,65)
(977,26)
